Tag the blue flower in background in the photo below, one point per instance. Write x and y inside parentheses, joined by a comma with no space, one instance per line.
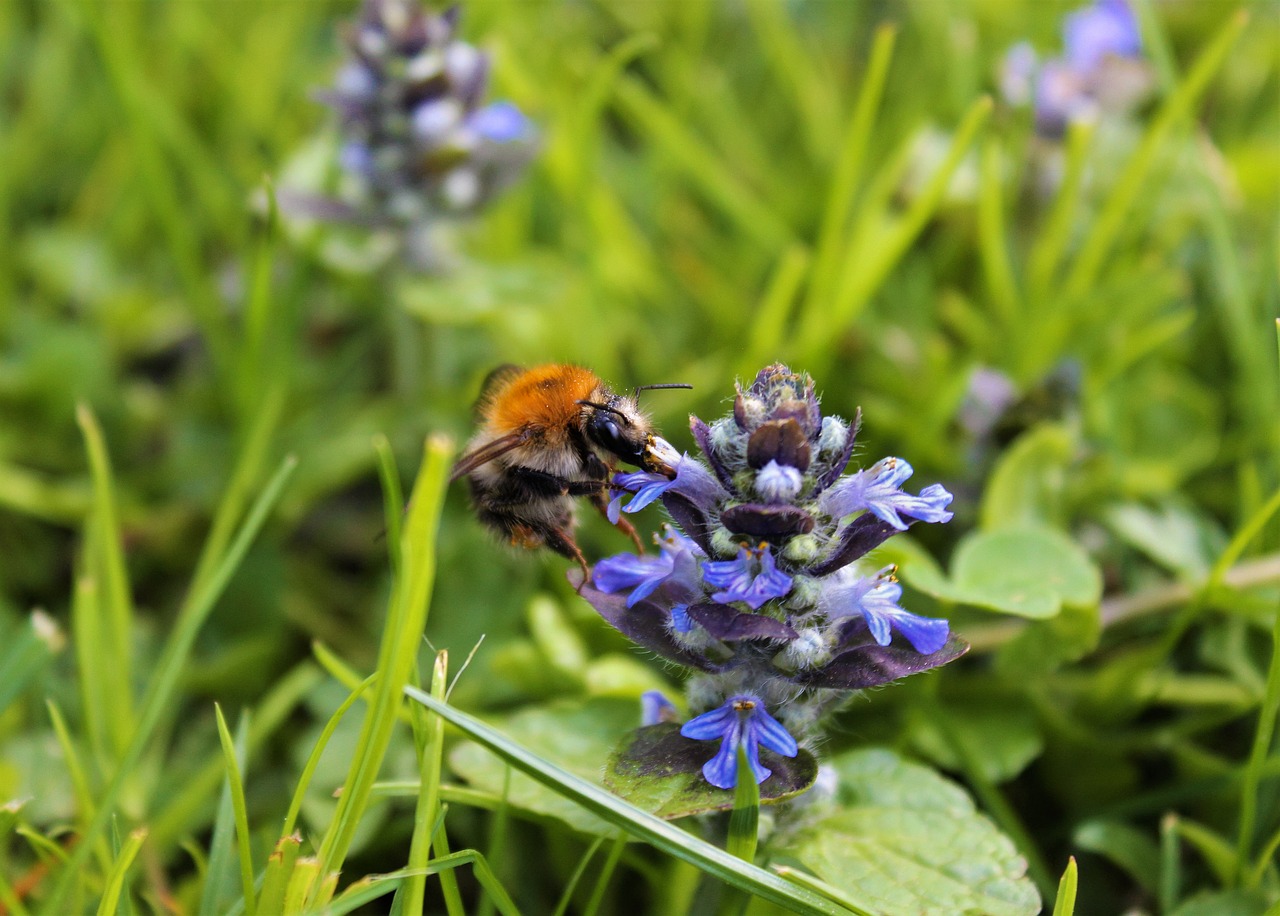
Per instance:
(875,599)
(741,721)
(1101,69)
(878,491)
(1092,34)
(753,577)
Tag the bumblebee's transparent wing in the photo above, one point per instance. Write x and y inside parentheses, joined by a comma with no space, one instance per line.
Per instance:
(487,452)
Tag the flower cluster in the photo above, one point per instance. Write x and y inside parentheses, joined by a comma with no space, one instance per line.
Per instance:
(1101,69)
(417,134)
(757,588)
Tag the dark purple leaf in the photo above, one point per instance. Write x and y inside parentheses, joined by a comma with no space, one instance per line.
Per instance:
(723,622)
(765,521)
(832,473)
(702,435)
(867,664)
(856,539)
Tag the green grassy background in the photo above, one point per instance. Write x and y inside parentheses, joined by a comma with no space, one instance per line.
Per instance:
(706,200)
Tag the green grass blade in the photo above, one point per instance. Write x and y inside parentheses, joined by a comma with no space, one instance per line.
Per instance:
(109,904)
(184,811)
(161,691)
(744,827)
(375,886)
(306,871)
(1120,203)
(753,216)
(27,655)
(219,871)
(276,877)
(392,497)
(1263,735)
(406,620)
(606,875)
(235,756)
(829,246)
(867,266)
(106,559)
(313,760)
(1052,240)
(818,886)
(666,837)
(1065,903)
(566,896)
(993,240)
(767,330)
(413,889)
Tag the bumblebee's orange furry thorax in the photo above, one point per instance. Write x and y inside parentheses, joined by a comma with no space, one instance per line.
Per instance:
(545,396)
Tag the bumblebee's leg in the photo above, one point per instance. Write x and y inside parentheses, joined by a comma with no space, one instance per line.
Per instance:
(540,483)
(600,499)
(561,541)
(597,470)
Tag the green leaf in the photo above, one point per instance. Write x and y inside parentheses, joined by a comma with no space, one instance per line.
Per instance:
(898,838)
(576,735)
(1027,571)
(1003,739)
(658,769)
(1129,848)
(1025,487)
(1045,645)
(1225,903)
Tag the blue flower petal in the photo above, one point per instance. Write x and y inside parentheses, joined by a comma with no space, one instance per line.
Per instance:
(500,122)
(926,634)
(741,721)
(710,724)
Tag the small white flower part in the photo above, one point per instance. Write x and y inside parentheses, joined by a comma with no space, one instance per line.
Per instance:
(778,483)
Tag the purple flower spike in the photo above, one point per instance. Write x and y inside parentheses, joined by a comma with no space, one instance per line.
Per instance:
(646,486)
(878,491)
(876,598)
(753,577)
(742,720)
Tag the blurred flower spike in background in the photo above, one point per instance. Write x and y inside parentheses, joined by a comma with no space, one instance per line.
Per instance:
(1101,70)
(758,591)
(419,144)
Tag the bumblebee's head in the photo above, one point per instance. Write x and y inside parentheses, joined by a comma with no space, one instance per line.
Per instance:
(616,426)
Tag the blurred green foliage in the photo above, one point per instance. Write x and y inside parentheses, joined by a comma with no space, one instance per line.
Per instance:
(721,185)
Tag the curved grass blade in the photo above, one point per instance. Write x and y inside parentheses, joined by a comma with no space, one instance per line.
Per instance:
(110,901)
(233,753)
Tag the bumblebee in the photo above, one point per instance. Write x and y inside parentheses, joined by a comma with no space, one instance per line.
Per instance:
(548,435)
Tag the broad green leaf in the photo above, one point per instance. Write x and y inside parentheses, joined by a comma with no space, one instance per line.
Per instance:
(1027,571)
(1003,739)
(899,838)
(1173,535)
(1045,645)
(578,736)
(1225,903)
(658,769)
(1128,847)
(1025,487)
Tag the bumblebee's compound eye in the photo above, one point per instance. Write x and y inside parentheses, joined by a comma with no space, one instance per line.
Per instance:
(611,436)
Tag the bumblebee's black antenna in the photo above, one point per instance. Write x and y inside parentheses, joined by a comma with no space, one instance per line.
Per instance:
(640,388)
(604,407)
